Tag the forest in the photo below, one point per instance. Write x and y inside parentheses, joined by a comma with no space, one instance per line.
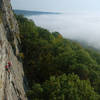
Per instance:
(57,68)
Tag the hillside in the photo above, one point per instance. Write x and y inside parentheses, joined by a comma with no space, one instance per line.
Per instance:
(58,68)
(30,13)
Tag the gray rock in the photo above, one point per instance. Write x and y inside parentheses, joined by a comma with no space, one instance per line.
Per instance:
(12,85)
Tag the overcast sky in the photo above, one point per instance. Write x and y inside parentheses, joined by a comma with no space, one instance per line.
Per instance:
(57,5)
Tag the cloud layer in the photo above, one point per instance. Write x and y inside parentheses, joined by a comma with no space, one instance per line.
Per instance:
(78,26)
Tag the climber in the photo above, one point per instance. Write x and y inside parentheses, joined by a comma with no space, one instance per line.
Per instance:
(7,68)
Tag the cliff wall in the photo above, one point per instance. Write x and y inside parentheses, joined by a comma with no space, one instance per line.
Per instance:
(12,84)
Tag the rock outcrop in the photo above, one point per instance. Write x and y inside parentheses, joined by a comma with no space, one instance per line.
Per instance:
(12,85)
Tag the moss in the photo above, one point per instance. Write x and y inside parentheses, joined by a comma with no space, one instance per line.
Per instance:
(21,55)
(11,23)
(17,35)
(0,16)
(0,84)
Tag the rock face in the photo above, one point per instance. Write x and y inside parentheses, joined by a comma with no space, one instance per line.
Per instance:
(12,84)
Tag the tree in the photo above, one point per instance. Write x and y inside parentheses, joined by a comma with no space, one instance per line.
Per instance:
(65,87)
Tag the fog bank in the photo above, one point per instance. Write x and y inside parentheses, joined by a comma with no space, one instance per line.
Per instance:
(78,26)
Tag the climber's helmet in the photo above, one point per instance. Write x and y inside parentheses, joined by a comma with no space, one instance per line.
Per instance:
(9,64)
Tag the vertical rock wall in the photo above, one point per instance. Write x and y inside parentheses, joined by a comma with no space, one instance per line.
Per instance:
(12,85)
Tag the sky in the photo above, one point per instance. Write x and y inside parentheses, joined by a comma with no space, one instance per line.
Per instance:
(58,5)
(78,26)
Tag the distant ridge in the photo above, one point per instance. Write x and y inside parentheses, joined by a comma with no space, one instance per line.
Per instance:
(29,13)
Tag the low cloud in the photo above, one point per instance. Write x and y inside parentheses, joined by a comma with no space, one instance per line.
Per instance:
(78,26)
